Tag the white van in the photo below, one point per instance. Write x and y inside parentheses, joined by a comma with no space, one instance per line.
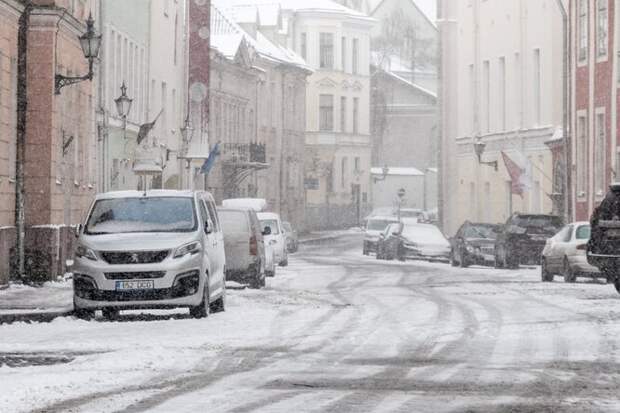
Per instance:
(159,249)
(276,238)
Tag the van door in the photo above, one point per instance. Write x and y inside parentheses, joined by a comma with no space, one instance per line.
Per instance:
(218,244)
(207,242)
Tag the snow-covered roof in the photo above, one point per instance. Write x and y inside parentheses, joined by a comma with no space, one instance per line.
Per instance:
(428,8)
(410,84)
(227,36)
(326,6)
(398,171)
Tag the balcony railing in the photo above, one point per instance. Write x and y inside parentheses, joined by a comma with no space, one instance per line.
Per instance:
(244,152)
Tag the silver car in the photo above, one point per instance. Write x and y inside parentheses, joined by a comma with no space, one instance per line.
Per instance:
(565,254)
(159,249)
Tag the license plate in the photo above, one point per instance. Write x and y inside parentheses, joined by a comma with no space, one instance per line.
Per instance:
(613,232)
(135,285)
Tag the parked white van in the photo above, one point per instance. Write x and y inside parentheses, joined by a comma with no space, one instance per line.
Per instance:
(276,238)
(155,249)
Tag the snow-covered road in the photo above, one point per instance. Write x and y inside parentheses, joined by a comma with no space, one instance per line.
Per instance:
(336,332)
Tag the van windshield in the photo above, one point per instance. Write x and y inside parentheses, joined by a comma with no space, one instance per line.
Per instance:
(149,214)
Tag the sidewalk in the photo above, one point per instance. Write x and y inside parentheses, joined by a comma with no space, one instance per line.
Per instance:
(25,303)
(319,236)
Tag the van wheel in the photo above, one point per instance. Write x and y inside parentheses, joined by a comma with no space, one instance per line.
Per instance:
(110,314)
(545,275)
(83,313)
(219,305)
(203,309)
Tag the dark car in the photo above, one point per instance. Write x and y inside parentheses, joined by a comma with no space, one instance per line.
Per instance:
(522,239)
(388,246)
(603,250)
(474,244)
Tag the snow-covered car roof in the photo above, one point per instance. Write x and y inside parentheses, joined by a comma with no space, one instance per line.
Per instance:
(424,233)
(383,218)
(257,204)
(154,193)
(268,215)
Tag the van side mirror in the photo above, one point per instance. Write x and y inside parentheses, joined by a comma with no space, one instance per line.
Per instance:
(208,227)
(78,230)
(267,231)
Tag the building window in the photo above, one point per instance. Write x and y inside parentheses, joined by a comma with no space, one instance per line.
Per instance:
(583,30)
(582,155)
(601,28)
(358,167)
(343,174)
(343,54)
(486,96)
(326,51)
(355,56)
(356,107)
(343,114)
(326,113)
(303,48)
(537,87)
(599,155)
(502,92)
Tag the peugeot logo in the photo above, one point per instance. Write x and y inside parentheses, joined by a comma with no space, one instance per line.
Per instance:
(134,258)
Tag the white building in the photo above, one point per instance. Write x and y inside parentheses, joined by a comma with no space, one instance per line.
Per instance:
(502,87)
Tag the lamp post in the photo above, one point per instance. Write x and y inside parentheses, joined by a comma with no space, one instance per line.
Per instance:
(384,174)
(123,106)
(90,42)
(479,148)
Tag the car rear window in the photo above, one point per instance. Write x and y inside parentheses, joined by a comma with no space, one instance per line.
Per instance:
(233,221)
(525,221)
(583,232)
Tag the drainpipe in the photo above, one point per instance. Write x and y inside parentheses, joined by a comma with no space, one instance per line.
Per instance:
(565,106)
(22,108)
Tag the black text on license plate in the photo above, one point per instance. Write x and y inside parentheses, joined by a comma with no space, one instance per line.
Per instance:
(135,285)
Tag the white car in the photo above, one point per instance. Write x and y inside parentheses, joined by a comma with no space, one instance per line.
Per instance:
(155,249)
(277,238)
(565,254)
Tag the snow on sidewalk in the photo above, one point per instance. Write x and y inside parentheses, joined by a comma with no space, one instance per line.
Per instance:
(325,235)
(51,297)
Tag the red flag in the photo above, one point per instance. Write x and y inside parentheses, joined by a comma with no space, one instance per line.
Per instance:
(516,174)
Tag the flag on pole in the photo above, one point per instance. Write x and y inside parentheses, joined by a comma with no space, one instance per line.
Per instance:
(516,175)
(146,128)
(210,161)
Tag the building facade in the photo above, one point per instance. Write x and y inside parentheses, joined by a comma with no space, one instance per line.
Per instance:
(59,137)
(505,63)
(596,78)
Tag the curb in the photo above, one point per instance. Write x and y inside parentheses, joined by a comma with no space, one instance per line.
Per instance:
(42,317)
(318,240)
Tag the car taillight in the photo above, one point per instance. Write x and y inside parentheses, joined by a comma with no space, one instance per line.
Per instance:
(582,247)
(253,245)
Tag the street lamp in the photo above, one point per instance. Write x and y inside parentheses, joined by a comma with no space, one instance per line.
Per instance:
(90,42)
(479,148)
(384,174)
(123,105)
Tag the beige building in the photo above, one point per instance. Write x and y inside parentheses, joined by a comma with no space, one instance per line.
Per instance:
(502,89)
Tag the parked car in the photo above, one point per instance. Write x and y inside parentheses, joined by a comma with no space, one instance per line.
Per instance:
(292,239)
(474,244)
(413,213)
(374,227)
(276,238)
(603,249)
(159,249)
(245,247)
(565,254)
(522,239)
(389,244)
(415,241)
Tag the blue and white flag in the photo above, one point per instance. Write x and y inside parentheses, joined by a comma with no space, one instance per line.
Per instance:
(210,161)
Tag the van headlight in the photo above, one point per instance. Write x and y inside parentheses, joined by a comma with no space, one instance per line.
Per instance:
(191,248)
(84,252)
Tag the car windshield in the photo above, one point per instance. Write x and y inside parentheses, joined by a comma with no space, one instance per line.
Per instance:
(271,223)
(429,234)
(481,231)
(525,221)
(146,214)
(233,221)
(583,232)
(378,224)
